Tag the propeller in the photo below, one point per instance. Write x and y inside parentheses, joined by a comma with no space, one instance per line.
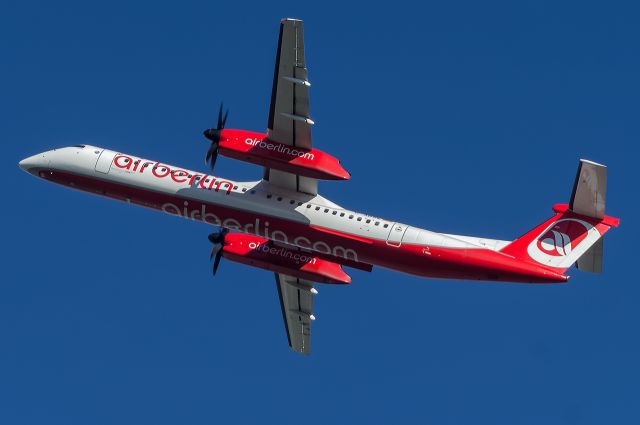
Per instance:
(217,239)
(213,134)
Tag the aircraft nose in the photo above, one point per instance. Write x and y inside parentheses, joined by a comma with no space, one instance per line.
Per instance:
(33,163)
(24,164)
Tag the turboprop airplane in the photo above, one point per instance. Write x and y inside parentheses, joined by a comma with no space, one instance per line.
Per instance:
(282,224)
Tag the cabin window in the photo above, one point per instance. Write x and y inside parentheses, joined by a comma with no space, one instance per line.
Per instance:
(269,196)
(279,198)
(335,212)
(350,216)
(377,223)
(235,187)
(368,221)
(359,218)
(308,205)
(341,214)
(326,210)
(244,189)
(299,203)
(292,202)
(317,208)
(252,192)
(386,225)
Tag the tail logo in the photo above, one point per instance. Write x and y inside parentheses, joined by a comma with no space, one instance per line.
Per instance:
(555,243)
(563,242)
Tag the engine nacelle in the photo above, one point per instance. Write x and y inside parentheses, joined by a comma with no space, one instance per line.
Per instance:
(256,148)
(265,254)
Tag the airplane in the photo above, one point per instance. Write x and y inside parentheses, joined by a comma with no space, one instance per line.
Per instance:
(282,224)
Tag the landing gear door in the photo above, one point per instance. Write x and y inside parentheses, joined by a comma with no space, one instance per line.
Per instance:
(103,164)
(395,234)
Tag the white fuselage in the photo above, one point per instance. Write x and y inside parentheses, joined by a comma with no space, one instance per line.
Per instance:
(308,222)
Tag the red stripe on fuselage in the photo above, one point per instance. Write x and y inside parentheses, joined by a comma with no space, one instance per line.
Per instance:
(448,263)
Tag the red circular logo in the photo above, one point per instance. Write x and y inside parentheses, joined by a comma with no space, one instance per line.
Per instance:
(562,238)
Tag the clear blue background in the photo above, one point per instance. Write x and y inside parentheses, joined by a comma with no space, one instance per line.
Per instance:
(467,118)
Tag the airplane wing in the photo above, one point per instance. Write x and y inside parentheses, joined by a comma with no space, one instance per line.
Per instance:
(289,119)
(296,302)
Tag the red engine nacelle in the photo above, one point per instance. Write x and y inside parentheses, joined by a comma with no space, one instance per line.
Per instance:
(263,253)
(256,148)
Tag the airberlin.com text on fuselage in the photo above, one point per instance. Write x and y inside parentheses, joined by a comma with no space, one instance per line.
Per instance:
(204,181)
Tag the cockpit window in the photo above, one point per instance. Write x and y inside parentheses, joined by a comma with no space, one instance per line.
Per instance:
(80,146)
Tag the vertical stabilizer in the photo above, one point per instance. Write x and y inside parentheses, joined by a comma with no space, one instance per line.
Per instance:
(574,234)
(589,190)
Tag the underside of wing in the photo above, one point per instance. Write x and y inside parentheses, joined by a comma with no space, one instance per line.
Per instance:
(296,302)
(289,119)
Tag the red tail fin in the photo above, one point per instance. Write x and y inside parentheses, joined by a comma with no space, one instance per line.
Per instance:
(575,230)
(560,241)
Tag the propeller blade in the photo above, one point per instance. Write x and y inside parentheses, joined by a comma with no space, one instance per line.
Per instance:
(213,252)
(217,239)
(220,115)
(224,120)
(213,158)
(217,261)
(213,134)
(212,154)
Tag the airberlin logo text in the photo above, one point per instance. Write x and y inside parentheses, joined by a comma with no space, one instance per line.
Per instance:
(284,253)
(161,171)
(562,243)
(278,147)
(258,228)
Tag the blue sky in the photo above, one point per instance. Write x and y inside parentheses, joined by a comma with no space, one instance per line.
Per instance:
(464,117)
